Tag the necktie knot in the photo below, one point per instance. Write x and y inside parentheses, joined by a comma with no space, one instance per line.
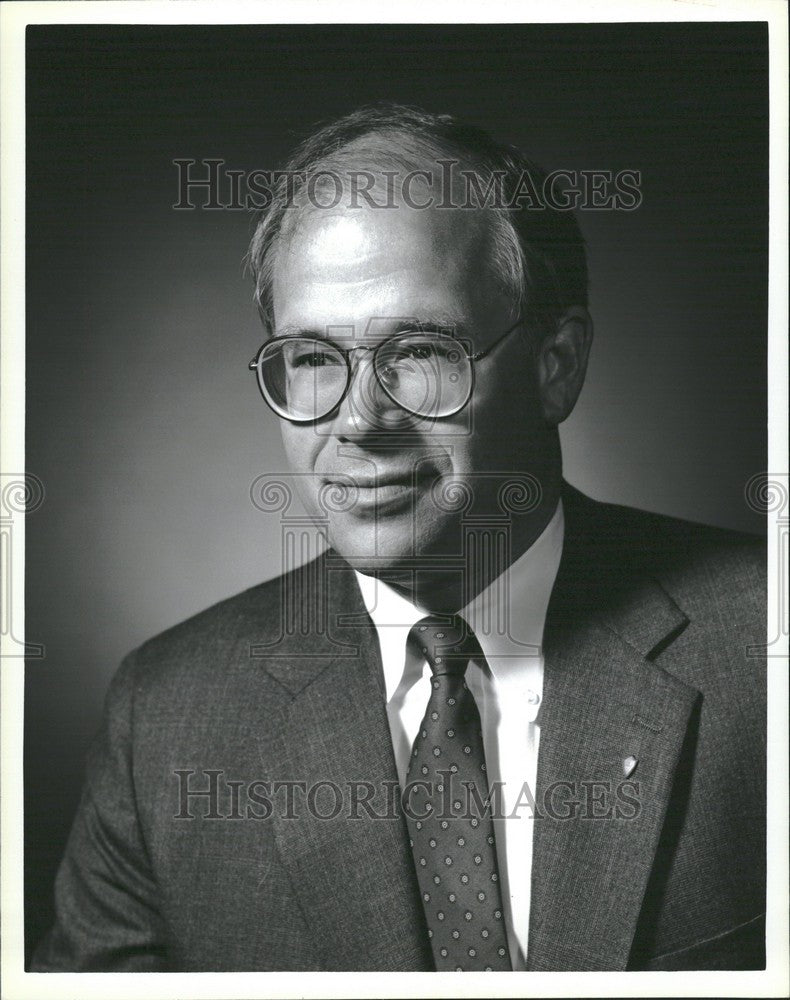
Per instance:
(446,641)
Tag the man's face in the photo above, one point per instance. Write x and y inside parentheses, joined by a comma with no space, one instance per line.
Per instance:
(357,277)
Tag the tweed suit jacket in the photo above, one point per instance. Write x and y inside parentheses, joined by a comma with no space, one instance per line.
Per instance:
(651,651)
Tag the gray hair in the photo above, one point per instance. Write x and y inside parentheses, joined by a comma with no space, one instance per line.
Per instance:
(536,253)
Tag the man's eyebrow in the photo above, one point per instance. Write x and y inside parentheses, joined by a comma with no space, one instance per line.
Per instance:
(306,331)
(442,324)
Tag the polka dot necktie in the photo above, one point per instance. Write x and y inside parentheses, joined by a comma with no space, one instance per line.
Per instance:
(450,830)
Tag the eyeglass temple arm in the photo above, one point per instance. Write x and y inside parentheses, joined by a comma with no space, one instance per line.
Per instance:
(490,348)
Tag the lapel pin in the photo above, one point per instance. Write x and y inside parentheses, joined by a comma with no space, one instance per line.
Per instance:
(629,766)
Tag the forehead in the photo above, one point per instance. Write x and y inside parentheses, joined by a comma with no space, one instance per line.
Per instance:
(344,264)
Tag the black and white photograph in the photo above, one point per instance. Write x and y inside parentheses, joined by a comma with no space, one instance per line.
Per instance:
(395,501)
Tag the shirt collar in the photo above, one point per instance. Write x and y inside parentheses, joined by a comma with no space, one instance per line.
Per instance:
(508,616)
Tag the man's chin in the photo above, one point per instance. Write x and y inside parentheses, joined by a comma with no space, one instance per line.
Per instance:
(371,562)
(376,548)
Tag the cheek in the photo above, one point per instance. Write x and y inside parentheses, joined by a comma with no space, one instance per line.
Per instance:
(301,446)
(495,418)
(504,438)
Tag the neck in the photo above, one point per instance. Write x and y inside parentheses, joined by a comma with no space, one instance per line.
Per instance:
(488,552)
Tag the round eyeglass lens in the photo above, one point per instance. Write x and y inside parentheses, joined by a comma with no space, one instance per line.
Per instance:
(427,374)
(302,378)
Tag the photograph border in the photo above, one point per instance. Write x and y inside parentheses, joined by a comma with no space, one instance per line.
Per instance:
(16,983)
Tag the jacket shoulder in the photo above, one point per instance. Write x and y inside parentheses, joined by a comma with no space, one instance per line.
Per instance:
(691,561)
(212,639)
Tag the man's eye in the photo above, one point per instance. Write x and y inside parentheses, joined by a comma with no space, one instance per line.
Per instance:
(422,351)
(314,359)
(414,352)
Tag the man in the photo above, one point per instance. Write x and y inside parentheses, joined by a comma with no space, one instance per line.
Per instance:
(497,725)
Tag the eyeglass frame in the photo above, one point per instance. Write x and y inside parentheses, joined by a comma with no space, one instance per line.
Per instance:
(345,353)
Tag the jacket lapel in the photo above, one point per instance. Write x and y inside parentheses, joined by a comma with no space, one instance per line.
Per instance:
(604,701)
(349,862)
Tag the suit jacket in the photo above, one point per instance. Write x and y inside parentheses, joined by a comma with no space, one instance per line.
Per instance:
(652,651)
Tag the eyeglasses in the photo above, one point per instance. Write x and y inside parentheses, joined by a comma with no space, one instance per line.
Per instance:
(429,374)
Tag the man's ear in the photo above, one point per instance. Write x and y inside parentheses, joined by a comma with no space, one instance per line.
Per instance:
(562,364)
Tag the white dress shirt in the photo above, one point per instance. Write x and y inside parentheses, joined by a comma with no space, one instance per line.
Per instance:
(508,618)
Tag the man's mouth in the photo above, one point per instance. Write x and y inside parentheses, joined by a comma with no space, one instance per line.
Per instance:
(387,490)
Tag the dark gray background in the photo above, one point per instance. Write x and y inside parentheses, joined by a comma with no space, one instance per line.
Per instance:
(142,421)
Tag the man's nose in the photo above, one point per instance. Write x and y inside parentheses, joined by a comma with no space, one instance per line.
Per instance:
(366,407)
